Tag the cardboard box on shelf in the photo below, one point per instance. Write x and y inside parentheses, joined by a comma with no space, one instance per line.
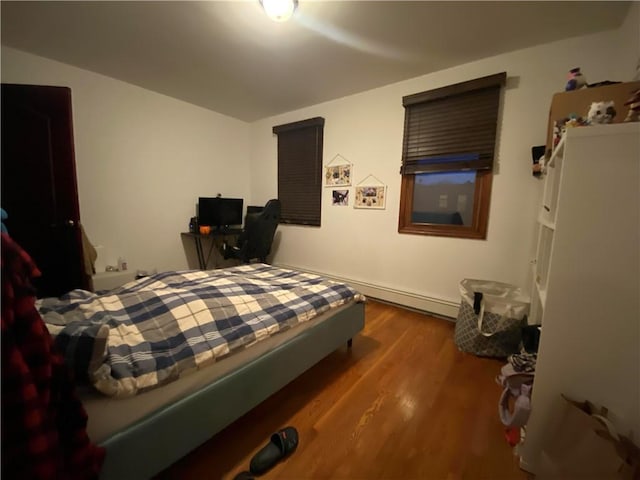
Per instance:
(578,102)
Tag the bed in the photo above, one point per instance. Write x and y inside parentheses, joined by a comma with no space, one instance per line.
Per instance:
(268,325)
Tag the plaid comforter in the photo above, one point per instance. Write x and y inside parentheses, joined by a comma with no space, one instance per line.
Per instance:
(166,325)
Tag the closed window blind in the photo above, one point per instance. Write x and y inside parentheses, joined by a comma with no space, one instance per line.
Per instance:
(300,171)
(452,128)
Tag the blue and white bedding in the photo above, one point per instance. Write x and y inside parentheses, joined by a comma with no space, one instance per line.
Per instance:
(164,326)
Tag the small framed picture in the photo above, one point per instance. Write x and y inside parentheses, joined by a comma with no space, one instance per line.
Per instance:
(338,176)
(371,197)
(340,198)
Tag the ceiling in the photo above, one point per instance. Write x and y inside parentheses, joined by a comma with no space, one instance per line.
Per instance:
(227,56)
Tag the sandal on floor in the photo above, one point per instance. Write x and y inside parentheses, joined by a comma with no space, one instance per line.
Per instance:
(283,443)
(243,476)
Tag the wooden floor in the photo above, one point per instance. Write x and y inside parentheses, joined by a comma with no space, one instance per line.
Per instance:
(403,403)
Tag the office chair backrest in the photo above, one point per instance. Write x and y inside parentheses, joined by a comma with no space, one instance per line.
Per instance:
(259,230)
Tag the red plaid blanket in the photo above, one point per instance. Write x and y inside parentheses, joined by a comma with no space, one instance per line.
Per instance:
(43,422)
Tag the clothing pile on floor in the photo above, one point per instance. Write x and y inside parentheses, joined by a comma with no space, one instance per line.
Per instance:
(516,378)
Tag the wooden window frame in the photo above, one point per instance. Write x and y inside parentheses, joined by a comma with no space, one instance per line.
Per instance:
(414,162)
(478,227)
(300,146)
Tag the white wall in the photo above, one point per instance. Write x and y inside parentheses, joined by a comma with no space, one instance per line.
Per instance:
(628,45)
(364,245)
(142,160)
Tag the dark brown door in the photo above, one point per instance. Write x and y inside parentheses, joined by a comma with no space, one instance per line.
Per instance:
(39,188)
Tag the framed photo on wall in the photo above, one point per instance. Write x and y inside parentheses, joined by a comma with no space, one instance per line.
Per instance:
(371,196)
(340,198)
(338,172)
(338,176)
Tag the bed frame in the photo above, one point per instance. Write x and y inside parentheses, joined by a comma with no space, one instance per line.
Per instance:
(166,435)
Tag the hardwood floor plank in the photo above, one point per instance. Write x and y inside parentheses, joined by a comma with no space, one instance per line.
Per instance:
(403,403)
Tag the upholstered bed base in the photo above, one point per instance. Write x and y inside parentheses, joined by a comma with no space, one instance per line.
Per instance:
(158,440)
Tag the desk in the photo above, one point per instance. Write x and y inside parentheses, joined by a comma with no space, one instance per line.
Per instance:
(197,238)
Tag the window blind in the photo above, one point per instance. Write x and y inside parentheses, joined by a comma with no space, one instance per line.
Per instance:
(300,171)
(452,128)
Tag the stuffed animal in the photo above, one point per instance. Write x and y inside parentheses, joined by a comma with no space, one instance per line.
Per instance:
(634,107)
(560,126)
(601,112)
(576,80)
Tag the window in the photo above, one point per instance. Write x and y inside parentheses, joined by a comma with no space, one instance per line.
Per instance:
(300,171)
(447,158)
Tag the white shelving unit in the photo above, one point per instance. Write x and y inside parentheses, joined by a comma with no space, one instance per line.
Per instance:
(546,230)
(586,288)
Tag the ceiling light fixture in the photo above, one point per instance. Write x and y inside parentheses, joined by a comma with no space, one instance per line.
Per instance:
(279,10)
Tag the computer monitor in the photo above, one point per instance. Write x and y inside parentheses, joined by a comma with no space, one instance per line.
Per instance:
(208,211)
(230,212)
(219,212)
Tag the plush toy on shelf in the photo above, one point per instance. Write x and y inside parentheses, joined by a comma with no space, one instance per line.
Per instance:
(634,107)
(570,121)
(574,120)
(576,80)
(601,112)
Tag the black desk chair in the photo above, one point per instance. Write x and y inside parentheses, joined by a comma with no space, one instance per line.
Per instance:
(257,235)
